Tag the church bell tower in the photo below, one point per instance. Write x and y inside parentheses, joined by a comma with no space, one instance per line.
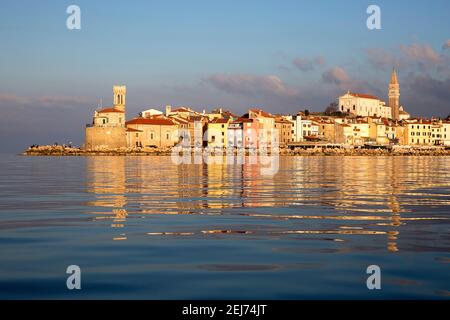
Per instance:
(119,97)
(394,95)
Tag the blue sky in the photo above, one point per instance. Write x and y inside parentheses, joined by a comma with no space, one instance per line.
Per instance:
(279,55)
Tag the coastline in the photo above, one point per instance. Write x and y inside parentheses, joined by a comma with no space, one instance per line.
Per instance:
(58,151)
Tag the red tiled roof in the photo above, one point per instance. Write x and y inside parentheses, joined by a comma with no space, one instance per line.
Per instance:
(262,113)
(362,95)
(109,110)
(242,120)
(217,120)
(152,121)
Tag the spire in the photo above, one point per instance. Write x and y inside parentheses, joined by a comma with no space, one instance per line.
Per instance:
(394,79)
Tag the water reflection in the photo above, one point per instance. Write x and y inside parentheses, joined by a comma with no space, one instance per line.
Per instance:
(353,195)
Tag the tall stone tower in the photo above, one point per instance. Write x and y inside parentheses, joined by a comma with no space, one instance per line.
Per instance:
(394,95)
(119,97)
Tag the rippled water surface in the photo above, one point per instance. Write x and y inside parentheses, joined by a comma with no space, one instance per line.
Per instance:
(144,228)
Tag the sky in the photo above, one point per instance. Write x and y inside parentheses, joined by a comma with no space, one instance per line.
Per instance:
(281,56)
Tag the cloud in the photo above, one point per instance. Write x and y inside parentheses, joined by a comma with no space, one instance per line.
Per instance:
(410,58)
(446,45)
(305,64)
(335,75)
(43,101)
(426,96)
(381,59)
(421,53)
(246,84)
(13,99)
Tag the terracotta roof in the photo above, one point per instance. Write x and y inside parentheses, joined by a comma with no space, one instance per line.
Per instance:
(362,95)
(180,120)
(217,120)
(152,121)
(242,120)
(262,113)
(109,110)
(182,109)
(133,130)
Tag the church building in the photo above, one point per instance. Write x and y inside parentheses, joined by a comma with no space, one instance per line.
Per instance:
(365,105)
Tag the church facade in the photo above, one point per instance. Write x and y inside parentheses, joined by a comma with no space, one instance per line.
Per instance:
(365,105)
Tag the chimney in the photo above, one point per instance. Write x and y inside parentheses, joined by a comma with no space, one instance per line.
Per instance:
(168,110)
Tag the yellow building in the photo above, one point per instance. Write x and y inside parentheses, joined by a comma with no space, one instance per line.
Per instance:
(419,133)
(284,128)
(160,132)
(217,133)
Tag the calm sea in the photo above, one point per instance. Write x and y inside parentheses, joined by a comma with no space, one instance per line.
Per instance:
(145,228)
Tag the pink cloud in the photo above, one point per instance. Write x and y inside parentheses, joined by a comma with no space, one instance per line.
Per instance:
(336,75)
(446,45)
(305,64)
(251,84)
(423,53)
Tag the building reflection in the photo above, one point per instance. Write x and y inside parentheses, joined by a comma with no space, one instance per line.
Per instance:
(365,193)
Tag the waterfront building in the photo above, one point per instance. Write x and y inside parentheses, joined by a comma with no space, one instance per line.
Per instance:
(243,132)
(344,133)
(217,133)
(266,126)
(425,132)
(327,131)
(107,129)
(446,133)
(284,128)
(156,132)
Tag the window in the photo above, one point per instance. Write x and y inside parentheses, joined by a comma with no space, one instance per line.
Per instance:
(167,136)
(354,107)
(137,135)
(151,135)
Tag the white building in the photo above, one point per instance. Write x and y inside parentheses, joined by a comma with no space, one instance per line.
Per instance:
(302,127)
(446,132)
(364,105)
(150,113)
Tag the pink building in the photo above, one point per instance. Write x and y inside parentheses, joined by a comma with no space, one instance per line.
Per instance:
(243,132)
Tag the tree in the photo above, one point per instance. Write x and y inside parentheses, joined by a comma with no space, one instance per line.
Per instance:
(331,109)
(306,112)
(448,118)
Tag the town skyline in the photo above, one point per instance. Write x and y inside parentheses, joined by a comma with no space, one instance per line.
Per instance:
(303,59)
